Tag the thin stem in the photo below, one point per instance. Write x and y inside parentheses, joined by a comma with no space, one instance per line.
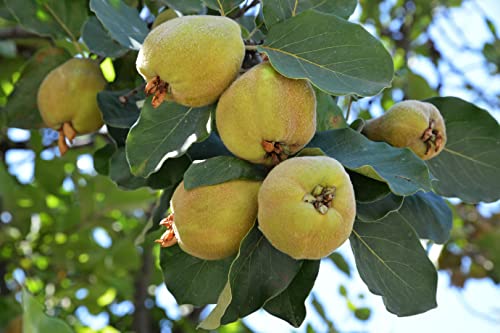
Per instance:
(251,47)
(65,28)
(348,108)
(246,8)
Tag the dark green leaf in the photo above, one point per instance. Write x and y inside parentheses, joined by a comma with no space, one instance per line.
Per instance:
(54,18)
(116,113)
(165,132)
(186,6)
(99,41)
(192,280)
(376,210)
(250,28)
(469,164)
(402,170)
(170,173)
(289,304)
(221,169)
(119,135)
(162,206)
(35,320)
(276,11)
(208,148)
(223,6)
(21,109)
(119,172)
(367,189)
(329,114)
(429,215)
(123,22)
(340,262)
(393,264)
(259,273)
(337,56)
(102,159)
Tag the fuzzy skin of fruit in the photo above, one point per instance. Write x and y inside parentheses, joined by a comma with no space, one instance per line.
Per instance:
(69,94)
(404,124)
(296,227)
(211,221)
(264,105)
(197,56)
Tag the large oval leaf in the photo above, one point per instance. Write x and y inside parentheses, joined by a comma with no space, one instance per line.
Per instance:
(376,210)
(186,6)
(402,170)
(469,165)
(116,113)
(123,22)
(99,41)
(393,264)
(162,133)
(193,280)
(337,56)
(36,321)
(221,169)
(278,10)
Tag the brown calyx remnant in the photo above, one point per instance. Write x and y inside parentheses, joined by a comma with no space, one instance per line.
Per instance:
(168,238)
(432,137)
(276,150)
(65,132)
(159,89)
(321,198)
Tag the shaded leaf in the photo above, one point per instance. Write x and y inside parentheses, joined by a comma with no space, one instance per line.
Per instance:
(192,280)
(99,41)
(165,132)
(220,169)
(340,262)
(223,6)
(123,22)
(367,189)
(337,56)
(376,210)
(289,304)
(402,170)
(54,18)
(102,159)
(36,321)
(393,264)
(276,11)
(329,114)
(185,6)
(114,112)
(469,164)
(211,147)
(21,109)
(429,215)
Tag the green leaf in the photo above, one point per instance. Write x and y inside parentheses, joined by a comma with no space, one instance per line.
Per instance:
(54,18)
(123,22)
(211,147)
(223,6)
(21,109)
(402,170)
(393,264)
(165,132)
(337,56)
(186,6)
(367,189)
(220,169)
(259,273)
(102,159)
(340,262)
(116,113)
(376,210)
(276,11)
(429,215)
(99,41)
(192,280)
(119,135)
(36,321)
(119,172)
(469,164)
(329,114)
(289,304)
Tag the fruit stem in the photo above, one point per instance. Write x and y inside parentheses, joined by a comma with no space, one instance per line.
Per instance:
(69,131)
(61,143)
(168,238)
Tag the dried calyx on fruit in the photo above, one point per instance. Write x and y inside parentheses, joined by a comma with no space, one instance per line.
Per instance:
(191,60)
(264,117)
(307,206)
(204,231)
(67,99)
(413,124)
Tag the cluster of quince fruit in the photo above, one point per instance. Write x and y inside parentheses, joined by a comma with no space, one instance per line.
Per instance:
(305,206)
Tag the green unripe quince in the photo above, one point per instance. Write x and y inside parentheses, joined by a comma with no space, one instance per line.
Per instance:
(210,221)
(263,116)
(191,59)
(307,206)
(413,124)
(69,94)
(163,17)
